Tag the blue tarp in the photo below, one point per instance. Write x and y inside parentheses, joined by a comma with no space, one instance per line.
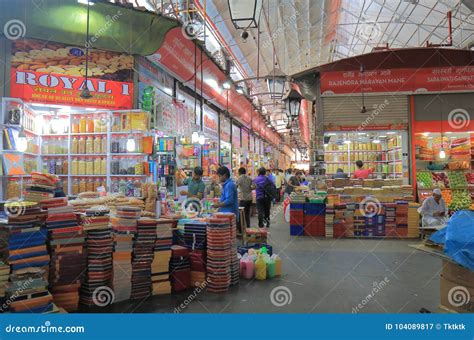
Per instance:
(458,238)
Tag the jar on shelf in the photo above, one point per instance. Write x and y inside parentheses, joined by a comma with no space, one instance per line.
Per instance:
(75,146)
(74,166)
(114,186)
(52,166)
(103,166)
(81,145)
(115,146)
(82,125)
(90,185)
(81,169)
(139,168)
(75,187)
(130,188)
(82,185)
(75,125)
(97,144)
(103,147)
(89,166)
(97,166)
(137,191)
(90,125)
(89,145)
(59,167)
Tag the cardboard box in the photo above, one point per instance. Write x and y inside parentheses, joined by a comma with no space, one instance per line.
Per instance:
(461,295)
(456,273)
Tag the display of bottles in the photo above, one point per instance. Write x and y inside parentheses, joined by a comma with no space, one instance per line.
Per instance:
(82,125)
(97,144)
(75,146)
(81,146)
(54,146)
(89,166)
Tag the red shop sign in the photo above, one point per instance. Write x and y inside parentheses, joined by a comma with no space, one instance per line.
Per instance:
(399,80)
(63,89)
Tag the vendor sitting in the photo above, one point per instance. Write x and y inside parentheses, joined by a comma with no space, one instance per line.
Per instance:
(434,210)
(195,184)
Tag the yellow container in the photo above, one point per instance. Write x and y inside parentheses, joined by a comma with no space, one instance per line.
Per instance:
(260,268)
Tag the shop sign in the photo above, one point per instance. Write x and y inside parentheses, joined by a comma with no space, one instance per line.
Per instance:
(225,129)
(400,126)
(54,73)
(210,125)
(235,136)
(456,78)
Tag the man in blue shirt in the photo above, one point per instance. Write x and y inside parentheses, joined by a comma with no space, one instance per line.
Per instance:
(264,202)
(228,201)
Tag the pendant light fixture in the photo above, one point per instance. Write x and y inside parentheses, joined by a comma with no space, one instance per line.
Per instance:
(85,93)
(244,14)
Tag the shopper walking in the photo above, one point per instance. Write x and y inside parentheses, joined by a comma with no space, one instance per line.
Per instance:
(266,192)
(228,201)
(279,179)
(245,185)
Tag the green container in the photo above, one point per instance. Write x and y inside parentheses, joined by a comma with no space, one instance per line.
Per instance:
(271,268)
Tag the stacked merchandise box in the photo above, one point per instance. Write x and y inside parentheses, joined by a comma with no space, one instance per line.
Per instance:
(296,219)
(458,279)
(66,246)
(413,220)
(359,223)
(329,220)
(195,238)
(143,257)
(99,246)
(402,218)
(4,275)
(391,220)
(349,218)
(314,219)
(234,260)
(219,245)
(180,268)
(123,231)
(339,228)
(27,256)
(160,274)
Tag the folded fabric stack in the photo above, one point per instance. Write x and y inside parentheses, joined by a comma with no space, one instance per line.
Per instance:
(124,226)
(24,247)
(339,226)
(143,257)
(180,269)
(219,245)
(329,220)
(349,218)
(4,275)
(160,274)
(68,259)
(402,218)
(234,260)
(390,220)
(413,220)
(359,223)
(198,267)
(99,245)
(41,187)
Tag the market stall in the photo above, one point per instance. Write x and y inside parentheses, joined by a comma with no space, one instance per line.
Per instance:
(225,139)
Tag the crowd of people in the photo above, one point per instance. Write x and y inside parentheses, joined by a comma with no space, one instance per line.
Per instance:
(269,185)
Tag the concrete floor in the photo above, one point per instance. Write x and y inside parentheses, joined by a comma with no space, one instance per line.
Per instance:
(322,276)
